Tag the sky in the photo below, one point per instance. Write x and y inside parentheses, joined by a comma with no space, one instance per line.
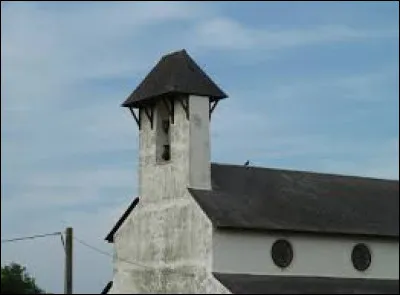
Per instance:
(312,86)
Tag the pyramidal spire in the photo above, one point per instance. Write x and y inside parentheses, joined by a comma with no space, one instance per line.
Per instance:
(175,73)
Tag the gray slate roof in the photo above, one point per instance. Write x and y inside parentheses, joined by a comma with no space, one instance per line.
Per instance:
(175,73)
(284,200)
(259,284)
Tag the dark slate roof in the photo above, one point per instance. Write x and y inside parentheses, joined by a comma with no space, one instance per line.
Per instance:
(110,237)
(107,288)
(175,73)
(259,284)
(284,200)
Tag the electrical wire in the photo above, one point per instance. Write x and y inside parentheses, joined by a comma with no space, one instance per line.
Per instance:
(63,244)
(107,254)
(30,237)
(120,259)
(79,241)
(62,241)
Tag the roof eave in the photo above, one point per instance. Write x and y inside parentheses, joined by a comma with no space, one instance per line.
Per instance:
(149,100)
(110,236)
(316,232)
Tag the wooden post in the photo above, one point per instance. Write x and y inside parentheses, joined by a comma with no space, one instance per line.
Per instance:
(68,261)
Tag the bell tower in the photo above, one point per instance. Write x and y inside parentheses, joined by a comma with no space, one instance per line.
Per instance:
(172,107)
(167,235)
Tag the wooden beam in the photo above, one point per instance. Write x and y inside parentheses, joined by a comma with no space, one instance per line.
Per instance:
(134,116)
(212,107)
(68,261)
(172,111)
(140,118)
(150,115)
(169,104)
(165,101)
(185,105)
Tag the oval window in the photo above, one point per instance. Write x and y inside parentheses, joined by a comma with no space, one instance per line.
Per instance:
(361,257)
(282,253)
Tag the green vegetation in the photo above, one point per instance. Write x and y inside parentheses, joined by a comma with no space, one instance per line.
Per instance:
(16,280)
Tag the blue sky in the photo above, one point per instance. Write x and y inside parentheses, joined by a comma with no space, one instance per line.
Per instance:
(312,86)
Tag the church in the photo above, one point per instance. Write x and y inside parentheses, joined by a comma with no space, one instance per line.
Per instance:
(202,227)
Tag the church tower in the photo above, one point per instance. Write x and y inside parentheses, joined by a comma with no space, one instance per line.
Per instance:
(167,233)
(173,107)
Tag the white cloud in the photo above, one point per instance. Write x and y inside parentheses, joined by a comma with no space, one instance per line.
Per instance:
(285,134)
(227,34)
(383,163)
(362,87)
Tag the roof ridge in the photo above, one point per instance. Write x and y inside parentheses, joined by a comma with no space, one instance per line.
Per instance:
(176,52)
(305,171)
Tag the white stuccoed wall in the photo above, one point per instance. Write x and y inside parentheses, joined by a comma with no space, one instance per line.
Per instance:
(241,252)
(199,155)
(167,232)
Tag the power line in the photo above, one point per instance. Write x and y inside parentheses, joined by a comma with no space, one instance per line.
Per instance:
(62,241)
(31,237)
(92,247)
(63,244)
(79,241)
(108,254)
(117,258)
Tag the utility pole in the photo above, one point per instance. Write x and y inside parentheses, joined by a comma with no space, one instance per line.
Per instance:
(68,261)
